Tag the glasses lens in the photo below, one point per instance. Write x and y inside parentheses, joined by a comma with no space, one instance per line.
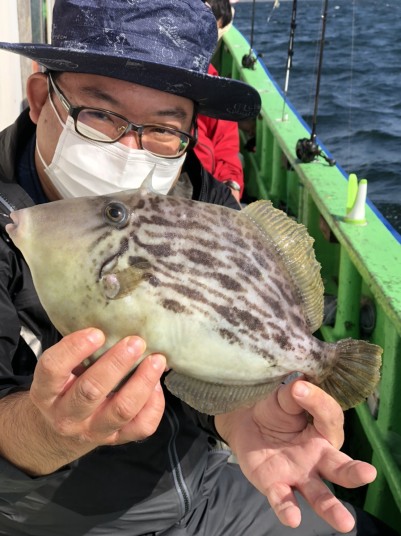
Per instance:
(100,125)
(163,141)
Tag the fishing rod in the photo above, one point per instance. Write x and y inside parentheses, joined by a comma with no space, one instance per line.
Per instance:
(249,60)
(290,53)
(307,149)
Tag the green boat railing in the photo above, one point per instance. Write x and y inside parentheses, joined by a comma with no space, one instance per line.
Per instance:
(361,268)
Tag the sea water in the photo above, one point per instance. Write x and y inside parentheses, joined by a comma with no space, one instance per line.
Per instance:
(359,106)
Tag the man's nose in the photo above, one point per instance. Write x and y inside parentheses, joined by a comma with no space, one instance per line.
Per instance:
(131,140)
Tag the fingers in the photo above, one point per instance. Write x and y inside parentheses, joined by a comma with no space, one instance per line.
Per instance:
(53,370)
(346,472)
(138,404)
(98,407)
(324,503)
(283,501)
(92,387)
(328,417)
(327,506)
(146,421)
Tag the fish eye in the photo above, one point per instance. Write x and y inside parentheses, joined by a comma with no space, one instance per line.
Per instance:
(116,214)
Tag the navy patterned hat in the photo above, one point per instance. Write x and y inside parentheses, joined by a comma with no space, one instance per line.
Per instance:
(162,44)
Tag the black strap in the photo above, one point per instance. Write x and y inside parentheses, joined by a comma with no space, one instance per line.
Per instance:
(12,197)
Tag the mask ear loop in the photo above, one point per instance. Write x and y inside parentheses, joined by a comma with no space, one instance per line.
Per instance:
(49,92)
(194,127)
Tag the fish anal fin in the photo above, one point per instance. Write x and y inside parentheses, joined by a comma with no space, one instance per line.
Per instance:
(295,247)
(215,398)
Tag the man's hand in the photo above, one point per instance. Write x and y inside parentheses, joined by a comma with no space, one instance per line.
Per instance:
(280,449)
(69,415)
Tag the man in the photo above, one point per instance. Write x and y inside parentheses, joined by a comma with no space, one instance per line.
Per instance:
(76,459)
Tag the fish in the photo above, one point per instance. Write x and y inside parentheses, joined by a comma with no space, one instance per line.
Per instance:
(231,298)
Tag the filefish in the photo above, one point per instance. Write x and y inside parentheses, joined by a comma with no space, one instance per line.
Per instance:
(231,298)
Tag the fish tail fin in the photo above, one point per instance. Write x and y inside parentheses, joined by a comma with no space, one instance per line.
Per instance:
(355,374)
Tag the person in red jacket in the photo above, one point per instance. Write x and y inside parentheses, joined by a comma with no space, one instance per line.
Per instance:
(218,140)
(218,150)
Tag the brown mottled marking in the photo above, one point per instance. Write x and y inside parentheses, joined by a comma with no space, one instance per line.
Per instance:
(277,309)
(186,291)
(154,281)
(140,204)
(283,341)
(226,313)
(229,336)
(163,249)
(134,260)
(175,306)
(238,242)
(199,256)
(317,356)
(246,267)
(247,318)
(227,281)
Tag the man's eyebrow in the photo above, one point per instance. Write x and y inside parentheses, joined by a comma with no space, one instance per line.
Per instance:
(92,91)
(176,112)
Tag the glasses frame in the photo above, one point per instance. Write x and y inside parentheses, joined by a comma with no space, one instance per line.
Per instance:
(74,111)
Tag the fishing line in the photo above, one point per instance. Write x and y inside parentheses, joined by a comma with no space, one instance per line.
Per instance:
(276,4)
(290,54)
(249,60)
(351,84)
(307,149)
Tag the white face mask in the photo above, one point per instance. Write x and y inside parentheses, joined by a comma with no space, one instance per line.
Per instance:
(82,167)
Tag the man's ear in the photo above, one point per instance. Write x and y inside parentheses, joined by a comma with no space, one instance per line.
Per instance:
(36,92)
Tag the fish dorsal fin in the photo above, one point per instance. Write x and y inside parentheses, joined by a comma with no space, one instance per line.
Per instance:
(295,247)
(147,182)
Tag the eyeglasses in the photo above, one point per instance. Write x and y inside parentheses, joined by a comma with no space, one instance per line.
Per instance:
(108,127)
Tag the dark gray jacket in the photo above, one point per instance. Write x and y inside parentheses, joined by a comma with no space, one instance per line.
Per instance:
(131,489)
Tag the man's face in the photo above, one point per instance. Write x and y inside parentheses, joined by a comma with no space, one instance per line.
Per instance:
(138,104)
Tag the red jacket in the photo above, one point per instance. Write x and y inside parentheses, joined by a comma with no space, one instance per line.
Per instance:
(218,147)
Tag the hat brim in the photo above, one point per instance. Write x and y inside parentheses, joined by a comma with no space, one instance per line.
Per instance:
(218,97)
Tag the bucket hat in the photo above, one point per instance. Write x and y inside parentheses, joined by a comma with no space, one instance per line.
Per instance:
(162,44)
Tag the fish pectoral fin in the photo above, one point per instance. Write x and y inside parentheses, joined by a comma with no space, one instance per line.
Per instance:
(215,398)
(120,283)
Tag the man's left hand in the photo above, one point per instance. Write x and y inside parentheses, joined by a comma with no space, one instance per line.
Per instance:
(280,449)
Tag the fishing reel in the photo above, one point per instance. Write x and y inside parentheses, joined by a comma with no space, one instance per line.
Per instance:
(249,60)
(307,150)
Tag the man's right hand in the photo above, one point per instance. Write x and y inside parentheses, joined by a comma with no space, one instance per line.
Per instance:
(71,415)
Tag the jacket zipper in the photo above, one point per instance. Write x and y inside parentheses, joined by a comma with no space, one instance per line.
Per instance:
(179,480)
(6,203)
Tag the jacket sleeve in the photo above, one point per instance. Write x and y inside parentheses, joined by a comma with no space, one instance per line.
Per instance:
(207,188)
(15,372)
(218,149)
(25,329)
